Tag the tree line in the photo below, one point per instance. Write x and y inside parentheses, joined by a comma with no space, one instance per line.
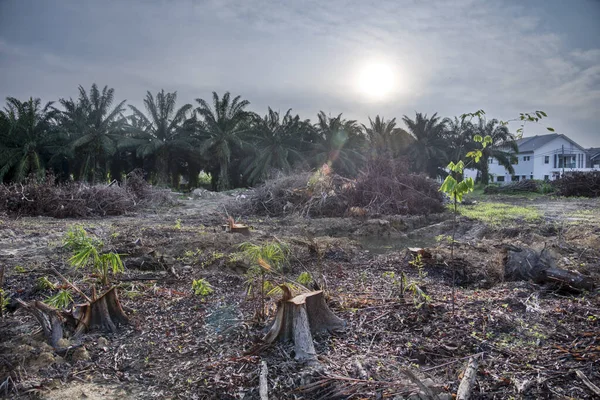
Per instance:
(92,139)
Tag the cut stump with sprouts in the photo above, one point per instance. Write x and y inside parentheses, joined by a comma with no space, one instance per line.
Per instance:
(102,313)
(299,318)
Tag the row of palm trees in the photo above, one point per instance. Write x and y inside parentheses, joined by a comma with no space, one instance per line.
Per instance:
(91,139)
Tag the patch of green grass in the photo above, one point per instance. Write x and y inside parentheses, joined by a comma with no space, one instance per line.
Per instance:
(496,213)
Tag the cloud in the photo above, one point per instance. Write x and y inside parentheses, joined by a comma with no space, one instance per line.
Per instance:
(451,57)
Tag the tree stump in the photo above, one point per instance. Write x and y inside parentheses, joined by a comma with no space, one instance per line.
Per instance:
(103,313)
(298,318)
(50,320)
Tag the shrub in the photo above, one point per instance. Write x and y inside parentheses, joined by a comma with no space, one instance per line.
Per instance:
(201,287)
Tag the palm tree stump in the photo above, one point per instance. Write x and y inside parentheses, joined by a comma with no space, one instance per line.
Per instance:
(50,319)
(299,318)
(103,313)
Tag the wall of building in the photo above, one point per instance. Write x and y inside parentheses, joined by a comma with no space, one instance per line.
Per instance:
(534,164)
(554,150)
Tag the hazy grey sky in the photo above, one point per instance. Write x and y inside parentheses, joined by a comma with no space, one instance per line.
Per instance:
(446,56)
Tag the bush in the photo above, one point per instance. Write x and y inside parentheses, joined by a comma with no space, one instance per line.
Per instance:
(78,200)
(585,184)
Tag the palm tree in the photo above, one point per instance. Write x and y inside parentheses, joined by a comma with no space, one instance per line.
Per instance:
(459,134)
(28,138)
(94,128)
(223,127)
(503,147)
(385,138)
(276,144)
(339,143)
(162,134)
(429,150)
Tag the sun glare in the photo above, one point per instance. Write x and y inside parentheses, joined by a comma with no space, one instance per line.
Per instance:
(376,81)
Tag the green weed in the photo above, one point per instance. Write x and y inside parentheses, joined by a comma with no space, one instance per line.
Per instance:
(497,213)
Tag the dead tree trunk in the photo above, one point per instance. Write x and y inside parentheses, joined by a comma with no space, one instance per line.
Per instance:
(299,318)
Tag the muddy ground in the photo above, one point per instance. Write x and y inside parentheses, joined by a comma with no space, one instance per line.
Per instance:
(529,338)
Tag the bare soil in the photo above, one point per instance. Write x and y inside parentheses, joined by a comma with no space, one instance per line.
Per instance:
(530,338)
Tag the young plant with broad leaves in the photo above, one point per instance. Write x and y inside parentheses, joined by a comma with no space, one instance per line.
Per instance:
(88,251)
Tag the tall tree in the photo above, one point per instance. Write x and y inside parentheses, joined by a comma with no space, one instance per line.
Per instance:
(340,142)
(385,138)
(28,138)
(503,147)
(163,134)
(95,129)
(429,150)
(459,134)
(223,127)
(276,143)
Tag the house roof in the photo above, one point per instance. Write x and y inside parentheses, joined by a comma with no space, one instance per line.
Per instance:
(593,152)
(529,144)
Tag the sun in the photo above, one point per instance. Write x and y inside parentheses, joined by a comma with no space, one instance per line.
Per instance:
(376,80)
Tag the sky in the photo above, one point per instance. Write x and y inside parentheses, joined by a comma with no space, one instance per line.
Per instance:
(360,58)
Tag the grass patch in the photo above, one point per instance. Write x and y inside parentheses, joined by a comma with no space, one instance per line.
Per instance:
(496,213)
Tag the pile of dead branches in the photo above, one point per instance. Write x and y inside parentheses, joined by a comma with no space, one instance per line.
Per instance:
(585,184)
(528,185)
(73,200)
(384,187)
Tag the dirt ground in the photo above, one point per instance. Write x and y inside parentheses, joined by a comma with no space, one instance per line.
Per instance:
(529,338)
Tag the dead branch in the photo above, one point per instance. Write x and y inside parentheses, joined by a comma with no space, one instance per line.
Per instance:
(588,383)
(426,390)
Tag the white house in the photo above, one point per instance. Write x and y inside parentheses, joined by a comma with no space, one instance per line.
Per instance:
(545,157)
(593,157)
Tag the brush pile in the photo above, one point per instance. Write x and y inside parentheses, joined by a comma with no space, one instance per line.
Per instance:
(383,187)
(580,184)
(528,185)
(78,200)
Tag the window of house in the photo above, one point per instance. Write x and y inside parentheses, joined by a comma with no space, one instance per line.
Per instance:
(530,176)
(526,158)
(523,177)
(546,177)
(566,161)
(491,161)
(500,179)
(546,159)
(515,161)
(515,178)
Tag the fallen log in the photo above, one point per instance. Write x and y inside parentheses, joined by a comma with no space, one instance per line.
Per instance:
(263,389)
(540,267)
(466,384)
(298,318)
(572,279)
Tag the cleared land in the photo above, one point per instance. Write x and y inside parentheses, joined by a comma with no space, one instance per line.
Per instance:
(530,338)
